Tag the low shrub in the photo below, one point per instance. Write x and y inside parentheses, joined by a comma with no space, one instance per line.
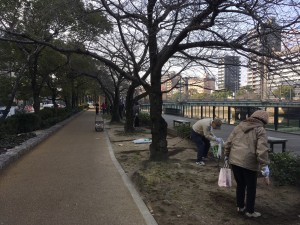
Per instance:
(183,130)
(63,114)
(49,122)
(145,119)
(28,122)
(8,126)
(17,128)
(21,123)
(46,113)
(52,112)
(285,168)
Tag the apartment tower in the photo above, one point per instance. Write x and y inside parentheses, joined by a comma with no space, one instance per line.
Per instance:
(229,73)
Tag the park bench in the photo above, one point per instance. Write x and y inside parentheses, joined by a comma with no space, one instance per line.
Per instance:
(273,140)
(173,111)
(179,122)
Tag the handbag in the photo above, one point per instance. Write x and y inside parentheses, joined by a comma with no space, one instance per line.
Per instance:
(224,177)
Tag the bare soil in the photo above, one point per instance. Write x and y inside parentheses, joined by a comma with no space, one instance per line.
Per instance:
(178,192)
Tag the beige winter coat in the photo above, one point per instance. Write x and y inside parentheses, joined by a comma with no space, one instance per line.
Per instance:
(204,128)
(247,145)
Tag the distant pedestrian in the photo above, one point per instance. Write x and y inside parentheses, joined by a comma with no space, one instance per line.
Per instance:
(103,107)
(247,151)
(202,134)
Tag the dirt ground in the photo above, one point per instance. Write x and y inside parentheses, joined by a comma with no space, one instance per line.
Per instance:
(178,192)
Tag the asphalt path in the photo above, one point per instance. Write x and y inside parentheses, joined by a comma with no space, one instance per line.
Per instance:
(71,178)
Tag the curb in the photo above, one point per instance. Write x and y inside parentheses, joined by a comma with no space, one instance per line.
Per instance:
(149,219)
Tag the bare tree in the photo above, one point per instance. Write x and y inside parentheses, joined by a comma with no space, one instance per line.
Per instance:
(151,33)
(199,30)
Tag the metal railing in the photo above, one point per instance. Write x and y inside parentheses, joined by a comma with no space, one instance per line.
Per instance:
(283,116)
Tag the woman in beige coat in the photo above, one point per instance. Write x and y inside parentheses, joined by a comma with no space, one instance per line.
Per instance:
(247,151)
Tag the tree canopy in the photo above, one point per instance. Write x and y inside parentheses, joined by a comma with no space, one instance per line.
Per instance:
(150,37)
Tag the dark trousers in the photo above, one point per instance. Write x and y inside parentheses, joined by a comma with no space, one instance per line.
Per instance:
(246,181)
(202,144)
(207,145)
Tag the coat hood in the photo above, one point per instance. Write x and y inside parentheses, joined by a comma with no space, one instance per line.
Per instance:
(250,124)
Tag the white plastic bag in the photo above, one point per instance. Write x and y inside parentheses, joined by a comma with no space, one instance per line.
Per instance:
(224,177)
(142,141)
(219,154)
(217,148)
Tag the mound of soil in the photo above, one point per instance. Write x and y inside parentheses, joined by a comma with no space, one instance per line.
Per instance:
(178,192)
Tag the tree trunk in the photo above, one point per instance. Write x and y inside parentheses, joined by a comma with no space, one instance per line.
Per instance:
(128,127)
(34,84)
(115,116)
(159,145)
(53,99)
(67,102)
(6,110)
(73,97)
(36,101)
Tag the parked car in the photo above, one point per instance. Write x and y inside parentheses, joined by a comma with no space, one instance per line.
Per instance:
(28,108)
(12,111)
(50,105)
(91,105)
(61,106)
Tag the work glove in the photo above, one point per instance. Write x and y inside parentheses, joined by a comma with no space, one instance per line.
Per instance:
(265,171)
(219,140)
(226,161)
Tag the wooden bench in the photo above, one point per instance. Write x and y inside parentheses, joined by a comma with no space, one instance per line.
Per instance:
(178,122)
(274,140)
(173,111)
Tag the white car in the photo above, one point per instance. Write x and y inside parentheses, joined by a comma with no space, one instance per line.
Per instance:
(91,105)
(10,113)
(50,105)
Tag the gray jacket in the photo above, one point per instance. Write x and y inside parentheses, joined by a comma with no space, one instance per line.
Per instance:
(204,128)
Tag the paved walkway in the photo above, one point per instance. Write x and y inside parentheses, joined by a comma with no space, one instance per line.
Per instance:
(72,178)
(293,140)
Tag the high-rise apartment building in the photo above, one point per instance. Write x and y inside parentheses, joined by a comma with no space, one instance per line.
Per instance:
(266,40)
(286,72)
(170,83)
(200,85)
(229,73)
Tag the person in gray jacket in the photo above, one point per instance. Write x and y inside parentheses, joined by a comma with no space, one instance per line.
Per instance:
(247,151)
(202,134)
